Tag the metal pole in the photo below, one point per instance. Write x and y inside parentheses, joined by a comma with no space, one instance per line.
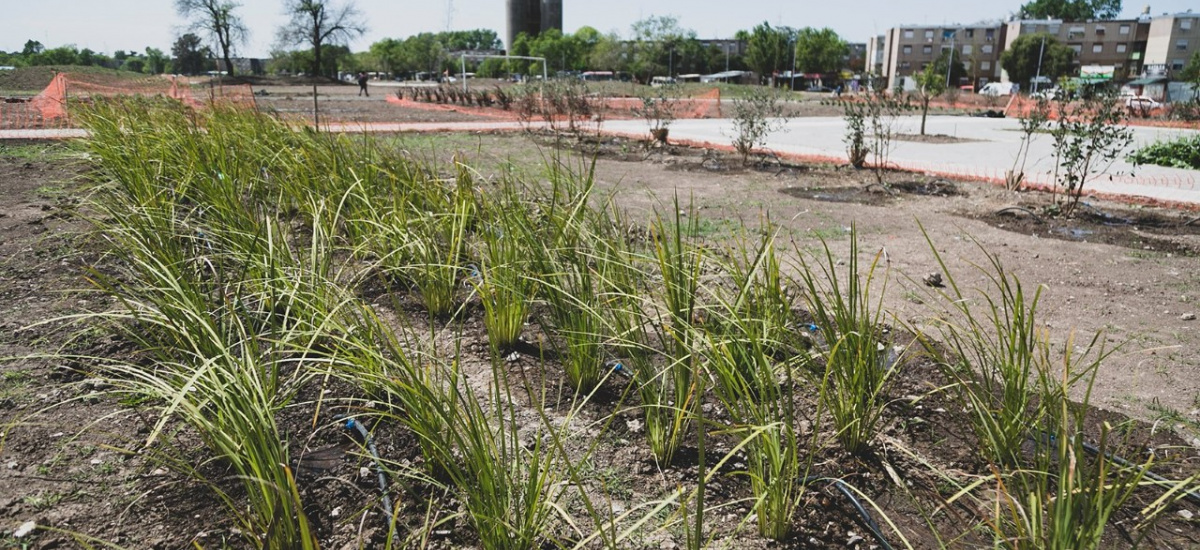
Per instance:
(950,61)
(464,72)
(1041,52)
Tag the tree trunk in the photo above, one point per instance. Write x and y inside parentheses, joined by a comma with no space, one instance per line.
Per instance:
(924,113)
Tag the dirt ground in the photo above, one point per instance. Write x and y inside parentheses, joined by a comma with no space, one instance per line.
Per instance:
(1130,272)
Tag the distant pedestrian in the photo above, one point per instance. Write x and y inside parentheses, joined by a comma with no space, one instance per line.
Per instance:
(362,84)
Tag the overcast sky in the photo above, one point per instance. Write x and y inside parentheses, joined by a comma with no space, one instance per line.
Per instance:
(108,25)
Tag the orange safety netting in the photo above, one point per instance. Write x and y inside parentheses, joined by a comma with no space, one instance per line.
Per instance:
(51,108)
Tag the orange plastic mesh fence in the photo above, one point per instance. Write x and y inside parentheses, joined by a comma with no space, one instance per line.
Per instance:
(51,108)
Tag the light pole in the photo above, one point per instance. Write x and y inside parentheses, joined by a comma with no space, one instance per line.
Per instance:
(950,60)
(1038,77)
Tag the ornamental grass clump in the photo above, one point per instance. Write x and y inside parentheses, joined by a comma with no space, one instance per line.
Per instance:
(757,387)
(859,360)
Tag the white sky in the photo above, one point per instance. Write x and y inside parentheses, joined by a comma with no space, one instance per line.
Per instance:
(108,25)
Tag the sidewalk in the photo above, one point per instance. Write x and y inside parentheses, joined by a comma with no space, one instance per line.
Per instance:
(986,156)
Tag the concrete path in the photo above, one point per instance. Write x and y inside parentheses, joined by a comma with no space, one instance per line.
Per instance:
(986,157)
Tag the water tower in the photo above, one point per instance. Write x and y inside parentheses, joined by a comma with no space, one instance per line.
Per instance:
(532,17)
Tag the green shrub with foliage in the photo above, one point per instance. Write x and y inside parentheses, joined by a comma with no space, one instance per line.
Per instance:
(1179,153)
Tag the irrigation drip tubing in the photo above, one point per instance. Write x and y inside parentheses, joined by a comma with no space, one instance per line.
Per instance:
(1095,451)
(868,521)
(356,426)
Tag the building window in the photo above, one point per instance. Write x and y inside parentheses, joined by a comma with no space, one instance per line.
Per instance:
(905,65)
(927,50)
(907,50)
(970,33)
(1185,24)
(1123,29)
(1121,48)
(985,65)
(928,35)
(1054,29)
(967,49)
(1097,48)
(1181,45)
(1077,48)
(986,48)
(1099,30)
(989,34)
(908,33)
(1176,64)
(1075,32)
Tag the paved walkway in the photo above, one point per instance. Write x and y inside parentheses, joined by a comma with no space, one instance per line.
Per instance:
(986,156)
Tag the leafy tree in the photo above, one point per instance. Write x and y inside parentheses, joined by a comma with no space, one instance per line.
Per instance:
(656,40)
(472,40)
(217,19)
(1021,59)
(32,47)
(156,61)
(819,50)
(1191,72)
(562,52)
(767,49)
(609,53)
(958,71)
(190,56)
(318,24)
(423,52)
(388,53)
(1071,10)
(134,64)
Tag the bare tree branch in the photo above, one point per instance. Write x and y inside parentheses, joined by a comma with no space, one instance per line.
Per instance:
(217,19)
(318,23)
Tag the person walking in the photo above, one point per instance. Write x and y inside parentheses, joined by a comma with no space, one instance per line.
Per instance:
(362,84)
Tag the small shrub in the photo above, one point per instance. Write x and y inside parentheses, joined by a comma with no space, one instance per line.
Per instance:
(1088,138)
(755,116)
(1183,152)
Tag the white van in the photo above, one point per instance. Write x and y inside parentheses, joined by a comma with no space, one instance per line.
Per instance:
(999,88)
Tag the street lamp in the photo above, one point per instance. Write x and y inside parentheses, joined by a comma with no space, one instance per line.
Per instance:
(1037,78)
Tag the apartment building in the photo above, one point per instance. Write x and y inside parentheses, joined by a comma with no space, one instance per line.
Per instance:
(874,63)
(1118,44)
(906,51)
(1171,42)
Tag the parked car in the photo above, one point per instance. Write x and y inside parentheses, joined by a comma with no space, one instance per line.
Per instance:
(1141,104)
(998,89)
(1049,93)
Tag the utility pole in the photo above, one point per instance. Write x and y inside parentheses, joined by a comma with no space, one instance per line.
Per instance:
(1041,52)
(950,60)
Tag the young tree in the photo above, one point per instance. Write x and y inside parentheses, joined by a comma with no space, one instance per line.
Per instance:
(320,23)
(190,54)
(1071,10)
(819,50)
(1022,59)
(216,18)
(930,84)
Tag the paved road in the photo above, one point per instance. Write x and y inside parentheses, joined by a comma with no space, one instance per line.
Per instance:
(987,157)
(989,153)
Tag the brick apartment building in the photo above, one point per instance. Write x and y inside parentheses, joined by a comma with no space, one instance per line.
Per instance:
(1123,48)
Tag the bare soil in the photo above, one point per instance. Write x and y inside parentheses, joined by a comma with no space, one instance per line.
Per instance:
(68,460)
